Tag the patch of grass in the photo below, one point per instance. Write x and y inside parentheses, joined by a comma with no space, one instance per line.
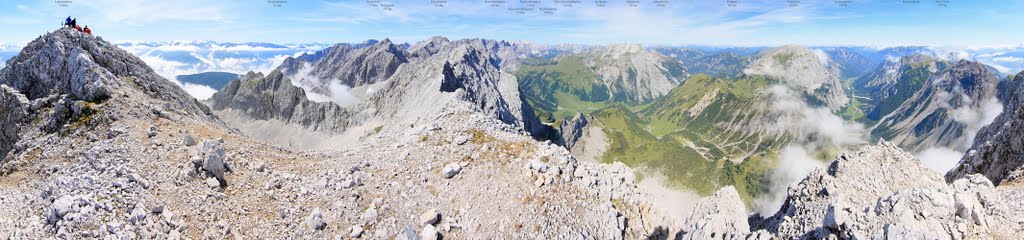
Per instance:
(86,116)
(478,136)
(617,202)
(749,176)
(424,138)
(696,152)
(853,111)
(561,88)
(784,58)
(634,146)
(378,128)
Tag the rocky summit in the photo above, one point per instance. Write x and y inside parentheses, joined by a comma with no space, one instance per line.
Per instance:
(442,145)
(125,153)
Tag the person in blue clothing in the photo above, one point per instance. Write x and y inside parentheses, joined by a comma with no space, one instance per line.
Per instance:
(67,23)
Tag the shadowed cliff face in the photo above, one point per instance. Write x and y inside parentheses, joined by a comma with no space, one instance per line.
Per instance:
(998,150)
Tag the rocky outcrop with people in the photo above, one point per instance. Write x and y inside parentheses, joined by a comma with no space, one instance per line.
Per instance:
(105,148)
(146,161)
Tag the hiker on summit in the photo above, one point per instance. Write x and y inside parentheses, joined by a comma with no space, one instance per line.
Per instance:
(74,22)
(67,22)
(87,30)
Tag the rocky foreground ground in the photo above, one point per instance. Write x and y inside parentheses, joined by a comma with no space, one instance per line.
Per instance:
(103,148)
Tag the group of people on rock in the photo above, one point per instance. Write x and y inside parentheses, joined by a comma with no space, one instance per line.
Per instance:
(73,23)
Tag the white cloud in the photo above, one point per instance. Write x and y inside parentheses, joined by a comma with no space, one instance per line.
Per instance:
(794,164)
(815,130)
(940,159)
(973,117)
(336,92)
(1008,59)
(817,125)
(201,92)
(891,58)
(167,68)
(207,59)
(822,56)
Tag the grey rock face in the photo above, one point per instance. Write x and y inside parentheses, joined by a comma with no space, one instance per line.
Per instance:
(356,65)
(883,192)
(212,154)
(934,115)
(66,61)
(998,150)
(895,81)
(13,113)
(274,97)
(572,130)
(474,72)
(720,216)
(469,69)
(87,68)
(633,73)
(882,83)
(811,71)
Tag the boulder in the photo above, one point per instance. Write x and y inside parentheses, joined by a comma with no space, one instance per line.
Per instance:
(138,215)
(316,220)
(429,232)
(538,166)
(355,231)
(430,217)
(212,156)
(450,170)
(187,140)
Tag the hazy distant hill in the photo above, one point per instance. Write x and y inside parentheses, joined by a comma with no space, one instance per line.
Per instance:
(215,80)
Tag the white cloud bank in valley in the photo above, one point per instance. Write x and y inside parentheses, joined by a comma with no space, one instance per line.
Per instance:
(321,90)
(815,130)
(943,158)
(171,59)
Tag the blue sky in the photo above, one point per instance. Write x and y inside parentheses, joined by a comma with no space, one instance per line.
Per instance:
(683,22)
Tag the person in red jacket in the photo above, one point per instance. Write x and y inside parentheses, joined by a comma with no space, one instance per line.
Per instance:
(87,30)
(79,28)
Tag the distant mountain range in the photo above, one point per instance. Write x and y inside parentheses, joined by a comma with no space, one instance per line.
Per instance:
(692,109)
(215,80)
(387,137)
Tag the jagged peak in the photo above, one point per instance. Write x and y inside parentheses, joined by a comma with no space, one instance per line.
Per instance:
(252,74)
(75,63)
